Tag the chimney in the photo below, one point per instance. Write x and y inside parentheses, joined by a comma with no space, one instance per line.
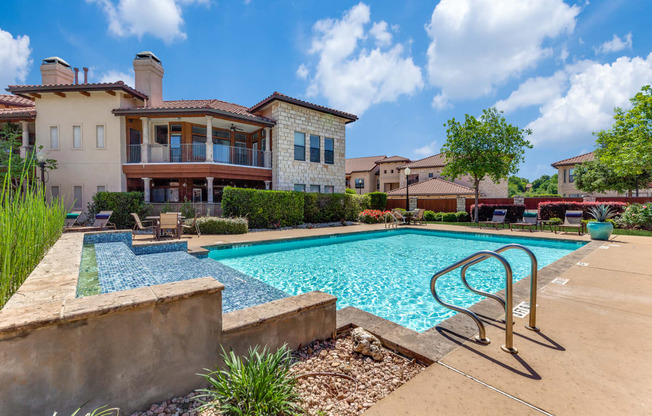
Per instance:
(85,75)
(55,70)
(76,75)
(149,77)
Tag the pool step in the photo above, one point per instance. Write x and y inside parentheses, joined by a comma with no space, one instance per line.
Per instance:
(120,269)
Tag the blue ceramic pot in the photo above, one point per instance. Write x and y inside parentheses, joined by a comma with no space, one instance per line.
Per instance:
(600,230)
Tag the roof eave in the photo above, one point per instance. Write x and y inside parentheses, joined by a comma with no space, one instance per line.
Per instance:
(190,111)
(41,89)
(349,117)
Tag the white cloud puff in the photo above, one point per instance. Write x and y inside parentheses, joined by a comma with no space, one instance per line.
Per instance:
(427,150)
(477,44)
(352,76)
(159,18)
(615,44)
(14,58)
(127,77)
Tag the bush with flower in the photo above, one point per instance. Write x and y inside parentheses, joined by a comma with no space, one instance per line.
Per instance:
(373,216)
(636,216)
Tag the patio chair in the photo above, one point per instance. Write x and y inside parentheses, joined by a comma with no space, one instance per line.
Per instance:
(529,220)
(102,220)
(194,225)
(572,219)
(497,218)
(418,217)
(169,222)
(399,216)
(71,218)
(142,225)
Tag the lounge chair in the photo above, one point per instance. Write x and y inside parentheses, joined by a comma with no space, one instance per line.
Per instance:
(418,217)
(169,222)
(498,217)
(399,216)
(102,220)
(572,219)
(142,225)
(529,220)
(71,218)
(194,225)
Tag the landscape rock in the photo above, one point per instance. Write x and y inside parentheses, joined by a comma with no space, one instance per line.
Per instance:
(367,344)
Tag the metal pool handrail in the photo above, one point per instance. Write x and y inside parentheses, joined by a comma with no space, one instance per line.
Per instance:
(533,282)
(509,319)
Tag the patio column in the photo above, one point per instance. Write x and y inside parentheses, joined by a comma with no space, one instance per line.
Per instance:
(209,139)
(147,189)
(25,144)
(267,185)
(144,155)
(209,189)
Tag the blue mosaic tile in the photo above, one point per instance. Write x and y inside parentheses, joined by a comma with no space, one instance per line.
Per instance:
(120,269)
(124,237)
(160,248)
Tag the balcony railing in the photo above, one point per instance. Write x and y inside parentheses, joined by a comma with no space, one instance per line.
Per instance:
(196,152)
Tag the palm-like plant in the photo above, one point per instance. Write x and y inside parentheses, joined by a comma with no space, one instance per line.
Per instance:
(259,384)
(100,411)
(601,212)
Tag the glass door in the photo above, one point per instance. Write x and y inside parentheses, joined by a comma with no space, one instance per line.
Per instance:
(221,150)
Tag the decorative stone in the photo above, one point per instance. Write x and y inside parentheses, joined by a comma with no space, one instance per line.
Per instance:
(367,344)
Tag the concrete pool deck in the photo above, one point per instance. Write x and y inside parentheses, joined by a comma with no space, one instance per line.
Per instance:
(593,355)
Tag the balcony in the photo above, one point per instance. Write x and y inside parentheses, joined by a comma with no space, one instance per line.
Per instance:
(196,153)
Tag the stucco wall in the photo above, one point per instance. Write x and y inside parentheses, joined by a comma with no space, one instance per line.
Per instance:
(369,182)
(392,176)
(286,172)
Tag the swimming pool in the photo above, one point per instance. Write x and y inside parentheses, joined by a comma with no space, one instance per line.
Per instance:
(388,272)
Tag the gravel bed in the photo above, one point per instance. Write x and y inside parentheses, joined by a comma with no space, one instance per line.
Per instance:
(325,394)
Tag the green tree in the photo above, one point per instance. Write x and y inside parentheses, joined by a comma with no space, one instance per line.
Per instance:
(516,185)
(595,176)
(626,148)
(10,161)
(484,147)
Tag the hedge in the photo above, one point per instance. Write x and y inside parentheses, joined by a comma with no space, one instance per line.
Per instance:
(263,209)
(377,200)
(550,209)
(122,204)
(429,215)
(217,225)
(486,211)
(462,216)
(318,208)
(449,217)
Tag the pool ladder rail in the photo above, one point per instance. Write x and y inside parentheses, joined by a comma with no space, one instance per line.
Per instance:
(506,303)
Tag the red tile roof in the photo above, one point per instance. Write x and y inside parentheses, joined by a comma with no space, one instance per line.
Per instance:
(434,186)
(15,101)
(434,161)
(277,96)
(106,86)
(17,113)
(586,157)
(362,164)
(395,159)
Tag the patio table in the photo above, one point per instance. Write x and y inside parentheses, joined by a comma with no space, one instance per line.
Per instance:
(158,217)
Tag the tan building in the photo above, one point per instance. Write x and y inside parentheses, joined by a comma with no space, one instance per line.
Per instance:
(115,137)
(389,174)
(362,174)
(433,188)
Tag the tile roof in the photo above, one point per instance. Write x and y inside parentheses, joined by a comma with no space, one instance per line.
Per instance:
(15,101)
(277,96)
(395,159)
(102,86)
(17,113)
(434,186)
(434,161)
(586,157)
(362,164)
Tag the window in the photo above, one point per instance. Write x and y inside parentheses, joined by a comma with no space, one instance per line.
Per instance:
(54,191)
(385,171)
(161,135)
(254,136)
(314,148)
(392,170)
(54,137)
(314,188)
(359,183)
(329,151)
(564,175)
(329,189)
(101,188)
(221,134)
(377,184)
(241,137)
(299,187)
(76,137)
(99,136)
(430,175)
(77,194)
(299,146)
(571,175)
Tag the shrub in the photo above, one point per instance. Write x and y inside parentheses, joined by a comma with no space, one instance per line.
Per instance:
(462,216)
(429,215)
(320,208)
(538,196)
(636,216)
(372,216)
(549,209)
(217,225)
(486,211)
(188,209)
(556,221)
(259,384)
(449,217)
(439,216)
(350,191)
(122,204)
(377,200)
(264,209)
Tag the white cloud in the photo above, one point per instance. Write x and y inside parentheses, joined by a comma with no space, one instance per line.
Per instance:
(478,44)
(352,76)
(427,150)
(14,58)
(302,71)
(113,75)
(159,18)
(440,101)
(615,44)
(581,99)
(563,54)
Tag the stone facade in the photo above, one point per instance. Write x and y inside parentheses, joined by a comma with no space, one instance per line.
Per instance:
(488,188)
(287,172)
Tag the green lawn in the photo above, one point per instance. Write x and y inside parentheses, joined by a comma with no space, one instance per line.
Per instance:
(617,231)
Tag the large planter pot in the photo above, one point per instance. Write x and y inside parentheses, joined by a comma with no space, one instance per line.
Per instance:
(600,230)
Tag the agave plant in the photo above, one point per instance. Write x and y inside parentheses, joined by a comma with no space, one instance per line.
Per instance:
(100,411)
(601,213)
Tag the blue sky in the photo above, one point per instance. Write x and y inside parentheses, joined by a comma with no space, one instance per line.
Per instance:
(404,67)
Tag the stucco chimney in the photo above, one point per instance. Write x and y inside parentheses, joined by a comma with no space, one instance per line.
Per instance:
(55,70)
(149,77)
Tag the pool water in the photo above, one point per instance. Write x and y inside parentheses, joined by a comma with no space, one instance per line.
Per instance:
(388,273)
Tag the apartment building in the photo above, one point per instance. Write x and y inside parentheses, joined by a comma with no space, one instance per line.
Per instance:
(115,137)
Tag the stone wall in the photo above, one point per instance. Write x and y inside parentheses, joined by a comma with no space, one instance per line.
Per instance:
(286,172)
